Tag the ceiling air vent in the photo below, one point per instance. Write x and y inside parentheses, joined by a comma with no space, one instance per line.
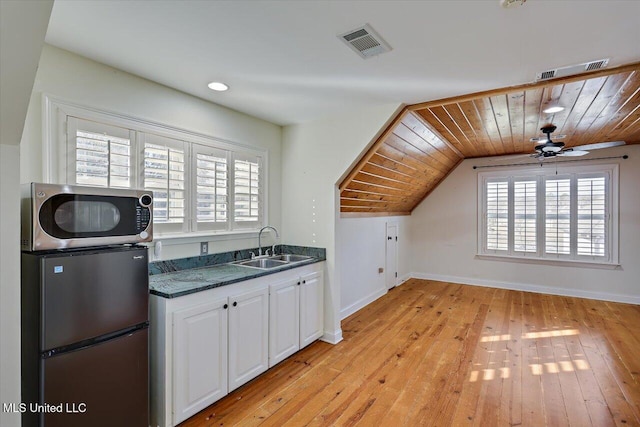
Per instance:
(365,42)
(572,69)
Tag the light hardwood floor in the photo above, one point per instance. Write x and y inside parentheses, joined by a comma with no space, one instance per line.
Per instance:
(441,354)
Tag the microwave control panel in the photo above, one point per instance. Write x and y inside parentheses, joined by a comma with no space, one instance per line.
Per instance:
(143,213)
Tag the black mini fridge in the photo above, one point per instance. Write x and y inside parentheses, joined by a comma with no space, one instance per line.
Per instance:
(85,337)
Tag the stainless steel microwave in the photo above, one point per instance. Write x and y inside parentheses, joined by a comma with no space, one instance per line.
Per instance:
(58,216)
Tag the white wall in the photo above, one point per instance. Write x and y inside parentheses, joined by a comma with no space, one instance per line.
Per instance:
(73,78)
(444,227)
(9,281)
(362,243)
(22,29)
(314,157)
(23,26)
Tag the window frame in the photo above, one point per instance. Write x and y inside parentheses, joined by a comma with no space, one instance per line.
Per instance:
(541,175)
(58,161)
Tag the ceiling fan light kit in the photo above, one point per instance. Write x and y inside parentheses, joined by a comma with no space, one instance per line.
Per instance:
(553,108)
(549,148)
(554,147)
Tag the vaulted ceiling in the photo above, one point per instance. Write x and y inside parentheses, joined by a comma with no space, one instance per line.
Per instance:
(426,141)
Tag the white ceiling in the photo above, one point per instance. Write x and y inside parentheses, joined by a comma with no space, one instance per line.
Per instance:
(284,63)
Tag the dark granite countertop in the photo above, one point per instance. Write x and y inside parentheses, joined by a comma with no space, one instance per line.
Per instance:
(176,278)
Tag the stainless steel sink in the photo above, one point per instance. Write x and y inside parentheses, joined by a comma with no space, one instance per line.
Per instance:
(290,258)
(262,263)
(274,261)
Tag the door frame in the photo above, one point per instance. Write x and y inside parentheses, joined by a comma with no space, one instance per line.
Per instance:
(391,266)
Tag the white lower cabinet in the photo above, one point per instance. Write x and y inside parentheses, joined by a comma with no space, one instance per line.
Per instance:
(311,308)
(207,344)
(217,347)
(248,336)
(200,358)
(284,320)
(296,315)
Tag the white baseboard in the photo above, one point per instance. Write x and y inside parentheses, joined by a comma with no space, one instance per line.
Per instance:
(403,279)
(603,296)
(332,337)
(361,303)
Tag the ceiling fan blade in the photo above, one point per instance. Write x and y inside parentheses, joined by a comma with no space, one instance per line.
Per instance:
(599,145)
(572,153)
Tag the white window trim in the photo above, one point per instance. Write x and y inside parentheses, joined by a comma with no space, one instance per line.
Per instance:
(54,113)
(611,261)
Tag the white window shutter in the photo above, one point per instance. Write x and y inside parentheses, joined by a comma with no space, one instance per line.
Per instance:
(497,218)
(525,216)
(540,214)
(100,155)
(247,190)
(558,216)
(211,201)
(592,214)
(163,172)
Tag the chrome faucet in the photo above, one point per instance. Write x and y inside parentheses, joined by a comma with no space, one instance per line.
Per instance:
(259,240)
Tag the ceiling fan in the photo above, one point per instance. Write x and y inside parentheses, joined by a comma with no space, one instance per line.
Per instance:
(550,148)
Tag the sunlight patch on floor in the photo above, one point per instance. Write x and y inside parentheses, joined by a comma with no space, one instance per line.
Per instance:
(532,335)
(536,369)
(550,334)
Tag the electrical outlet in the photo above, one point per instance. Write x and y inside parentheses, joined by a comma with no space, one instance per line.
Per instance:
(204,248)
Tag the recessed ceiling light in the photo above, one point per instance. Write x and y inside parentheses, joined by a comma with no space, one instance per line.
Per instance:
(553,109)
(218,86)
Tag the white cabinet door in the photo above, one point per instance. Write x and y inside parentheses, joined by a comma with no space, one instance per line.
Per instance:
(284,320)
(200,358)
(311,308)
(248,336)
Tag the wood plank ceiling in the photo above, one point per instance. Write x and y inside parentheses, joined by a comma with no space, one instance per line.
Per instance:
(425,142)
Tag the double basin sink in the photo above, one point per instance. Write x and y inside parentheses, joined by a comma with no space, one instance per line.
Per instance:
(274,261)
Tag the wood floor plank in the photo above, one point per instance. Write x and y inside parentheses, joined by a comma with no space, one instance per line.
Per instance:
(442,354)
(532,403)
(554,408)
(599,414)
(488,411)
(511,401)
(575,406)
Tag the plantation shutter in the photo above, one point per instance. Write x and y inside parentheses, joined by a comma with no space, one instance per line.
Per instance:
(212,187)
(524,216)
(558,216)
(99,155)
(164,173)
(592,216)
(247,205)
(497,218)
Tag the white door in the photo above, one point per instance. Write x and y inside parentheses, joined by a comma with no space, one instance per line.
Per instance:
(392,255)
(200,358)
(284,320)
(311,308)
(248,336)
